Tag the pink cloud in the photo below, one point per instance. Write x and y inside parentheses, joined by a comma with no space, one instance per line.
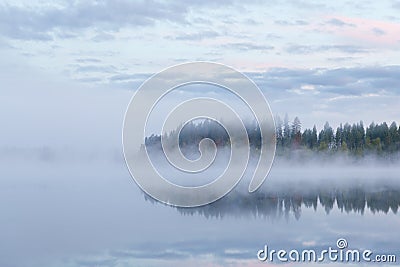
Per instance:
(367,31)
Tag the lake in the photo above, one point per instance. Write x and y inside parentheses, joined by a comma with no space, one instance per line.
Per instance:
(91,213)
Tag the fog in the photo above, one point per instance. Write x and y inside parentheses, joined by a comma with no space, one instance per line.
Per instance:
(300,166)
(67,198)
(91,213)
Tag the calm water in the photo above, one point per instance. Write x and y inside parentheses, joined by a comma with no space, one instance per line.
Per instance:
(56,213)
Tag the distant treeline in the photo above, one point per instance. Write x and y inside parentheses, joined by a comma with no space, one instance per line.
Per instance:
(353,139)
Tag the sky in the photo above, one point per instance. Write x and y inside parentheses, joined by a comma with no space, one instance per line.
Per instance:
(333,61)
(68,70)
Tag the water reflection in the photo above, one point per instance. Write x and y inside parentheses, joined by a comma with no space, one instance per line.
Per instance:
(288,201)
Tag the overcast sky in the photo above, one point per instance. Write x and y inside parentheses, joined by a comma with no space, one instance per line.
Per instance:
(334,61)
(69,68)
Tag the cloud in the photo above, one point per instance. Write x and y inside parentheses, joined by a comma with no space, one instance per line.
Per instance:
(378,31)
(247,46)
(291,23)
(358,81)
(342,59)
(310,49)
(273,36)
(352,97)
(339,23)
(333,94)
(251,22)
(97,262)
(308,5)
(88,60)
(396,4)
(44,22)
(95,68)
(101,37)
(5,45)
(370,32)
(185,249)
(130,77)
(159,254)
(39,23)
(198,36)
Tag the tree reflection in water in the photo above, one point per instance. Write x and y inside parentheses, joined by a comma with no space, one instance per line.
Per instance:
(277,202)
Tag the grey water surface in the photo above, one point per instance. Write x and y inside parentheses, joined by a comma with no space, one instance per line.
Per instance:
(90,212)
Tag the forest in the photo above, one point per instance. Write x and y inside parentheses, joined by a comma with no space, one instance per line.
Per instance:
(356,139)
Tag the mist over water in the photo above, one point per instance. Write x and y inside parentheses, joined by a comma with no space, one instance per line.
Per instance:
(85,210)
(67,200)
(304,202)
(344,183)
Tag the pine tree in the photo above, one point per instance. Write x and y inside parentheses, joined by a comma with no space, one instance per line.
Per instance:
(278,129)
(286,131)
(314,138)
(296,132)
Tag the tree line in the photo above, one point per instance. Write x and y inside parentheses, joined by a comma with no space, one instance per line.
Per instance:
(354,139)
